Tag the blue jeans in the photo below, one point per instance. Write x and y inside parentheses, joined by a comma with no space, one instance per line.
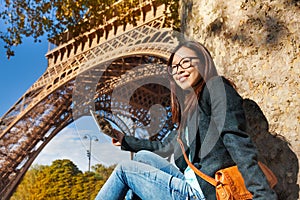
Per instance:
(150,177)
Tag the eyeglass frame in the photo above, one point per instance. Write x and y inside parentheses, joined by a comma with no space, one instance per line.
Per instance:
(171,67)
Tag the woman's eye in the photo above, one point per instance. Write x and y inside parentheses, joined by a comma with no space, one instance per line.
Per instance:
(185,61)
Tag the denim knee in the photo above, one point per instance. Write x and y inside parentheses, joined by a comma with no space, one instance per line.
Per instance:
(142,155)
(123,165)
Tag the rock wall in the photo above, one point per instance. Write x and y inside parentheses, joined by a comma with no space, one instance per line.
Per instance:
(257,45)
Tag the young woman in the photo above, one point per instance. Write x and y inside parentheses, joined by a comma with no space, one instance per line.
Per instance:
(212,126)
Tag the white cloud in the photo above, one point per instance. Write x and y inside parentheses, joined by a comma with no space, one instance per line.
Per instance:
(70,144)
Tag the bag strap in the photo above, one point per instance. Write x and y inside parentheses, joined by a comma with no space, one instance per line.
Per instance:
(272,179)
(195,169)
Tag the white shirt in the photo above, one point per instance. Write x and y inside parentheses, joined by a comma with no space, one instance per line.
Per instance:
(189,174)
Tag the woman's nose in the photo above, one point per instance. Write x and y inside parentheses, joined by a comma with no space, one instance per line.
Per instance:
(180,70)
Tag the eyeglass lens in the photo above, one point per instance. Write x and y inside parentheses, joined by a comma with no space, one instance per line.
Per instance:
(184,63)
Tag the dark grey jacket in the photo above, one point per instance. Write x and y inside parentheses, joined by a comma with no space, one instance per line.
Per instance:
(217,140)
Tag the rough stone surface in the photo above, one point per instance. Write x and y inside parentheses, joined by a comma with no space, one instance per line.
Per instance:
(256,44)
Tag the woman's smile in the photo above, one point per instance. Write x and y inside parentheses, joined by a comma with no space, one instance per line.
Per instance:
(183,78)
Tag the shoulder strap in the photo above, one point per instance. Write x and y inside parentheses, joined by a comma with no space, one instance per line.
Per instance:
(272,179)
(207,178)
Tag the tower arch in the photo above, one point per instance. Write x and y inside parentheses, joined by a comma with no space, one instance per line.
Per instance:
(48,106)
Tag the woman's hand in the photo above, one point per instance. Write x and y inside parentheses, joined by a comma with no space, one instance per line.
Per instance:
(119,135)
(116,142)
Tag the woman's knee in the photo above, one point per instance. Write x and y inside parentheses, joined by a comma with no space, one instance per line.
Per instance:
(124,165)
(142,155)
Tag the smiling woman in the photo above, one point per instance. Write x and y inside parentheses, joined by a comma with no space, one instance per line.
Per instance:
(212,126)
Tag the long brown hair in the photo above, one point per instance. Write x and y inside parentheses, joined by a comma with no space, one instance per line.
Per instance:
(207,70)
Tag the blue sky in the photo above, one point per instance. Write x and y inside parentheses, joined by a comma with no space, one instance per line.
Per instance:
(16,77)
(20,71)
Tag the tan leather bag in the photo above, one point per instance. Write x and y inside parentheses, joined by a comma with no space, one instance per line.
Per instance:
(230,185)
(229,182)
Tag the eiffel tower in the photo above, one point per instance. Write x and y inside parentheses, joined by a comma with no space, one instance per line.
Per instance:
(98,73)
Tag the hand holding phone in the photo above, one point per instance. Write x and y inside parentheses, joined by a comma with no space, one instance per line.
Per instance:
(105,127)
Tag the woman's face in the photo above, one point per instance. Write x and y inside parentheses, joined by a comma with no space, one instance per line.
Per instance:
(187,63)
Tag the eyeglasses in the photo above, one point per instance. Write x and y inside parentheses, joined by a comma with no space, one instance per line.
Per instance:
(184,63)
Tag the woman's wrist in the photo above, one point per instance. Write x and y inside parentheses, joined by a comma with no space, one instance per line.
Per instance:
(119,135)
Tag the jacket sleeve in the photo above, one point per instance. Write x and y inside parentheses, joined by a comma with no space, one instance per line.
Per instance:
(163,148)
(228,114)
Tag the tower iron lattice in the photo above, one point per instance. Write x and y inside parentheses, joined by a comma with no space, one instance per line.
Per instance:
(96,73)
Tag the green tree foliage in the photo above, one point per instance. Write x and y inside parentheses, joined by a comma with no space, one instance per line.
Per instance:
(36,18)
(61,180)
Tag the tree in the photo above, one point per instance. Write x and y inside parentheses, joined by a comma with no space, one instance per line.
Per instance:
(27,187)
(61,180)
(103,171)
(52,17)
